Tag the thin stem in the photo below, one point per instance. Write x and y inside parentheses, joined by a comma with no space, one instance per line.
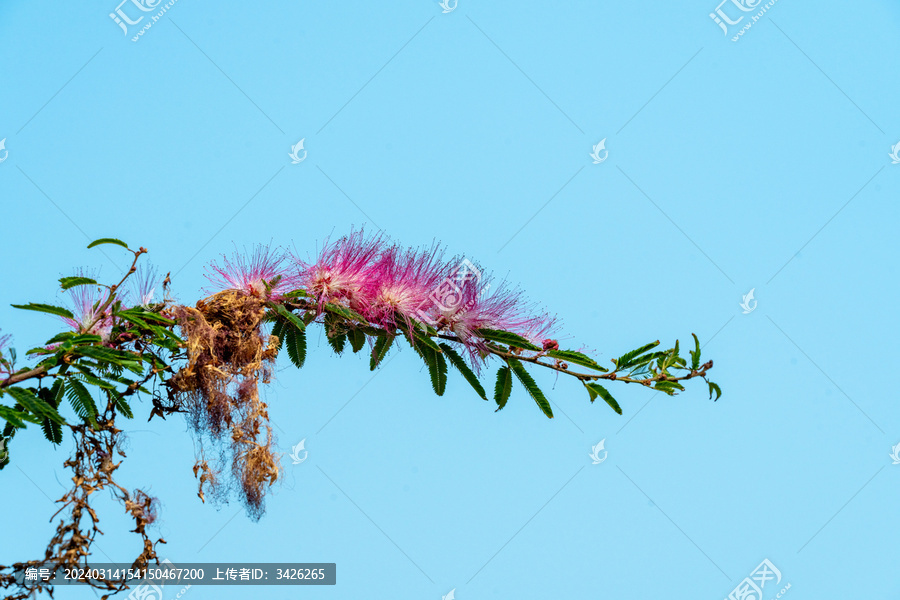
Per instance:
(557,365)
(612,376)
(16,378)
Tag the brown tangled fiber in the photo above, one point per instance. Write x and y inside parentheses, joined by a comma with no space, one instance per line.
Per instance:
(93,464)
(227,356)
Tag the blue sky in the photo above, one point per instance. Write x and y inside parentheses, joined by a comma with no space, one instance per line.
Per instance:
(758,164)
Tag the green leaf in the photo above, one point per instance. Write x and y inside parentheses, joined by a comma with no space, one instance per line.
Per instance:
(52,431)
(713,387)
(413,336)
(430,352)
(60,337)
(337,342)
(295,339)
(382,345)
(345,312)
(457,361)
(108,241)
(155,362)
(502,387)
(422,337)
(80,399)
(125,381)
(85,338)
(437,368)
(88,376)
(149,315)
(668,387)
(35,404)
(525,378)
(47,308)
(134,319)
(576,358)
(424,328)
(506,337)
(644,359)
(278,332)
(295,294)
(272,282)
(16,418)
(357,339)
(121,403)
(165,338)
(695,354)
(595,389)
(294,319)
(56,392)
(624,361)
(112,356)
(70,282)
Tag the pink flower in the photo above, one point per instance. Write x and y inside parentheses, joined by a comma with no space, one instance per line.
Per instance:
(538,327)
(401,283)
(484,306)
(85,301)
(464,304)
(387,283)
(459,304)
(247,274)
(341,271)
(509,310)
(143,286)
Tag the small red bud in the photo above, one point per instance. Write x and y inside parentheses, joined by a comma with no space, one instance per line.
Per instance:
(551,345)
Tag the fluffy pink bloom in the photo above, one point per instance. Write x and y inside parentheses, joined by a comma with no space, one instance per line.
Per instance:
(480,305)
(458,303)
(465,302)
(387,283)
(246,273)
(143,286)
(85,302)
(537,328)
(402,282)
(342,270)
